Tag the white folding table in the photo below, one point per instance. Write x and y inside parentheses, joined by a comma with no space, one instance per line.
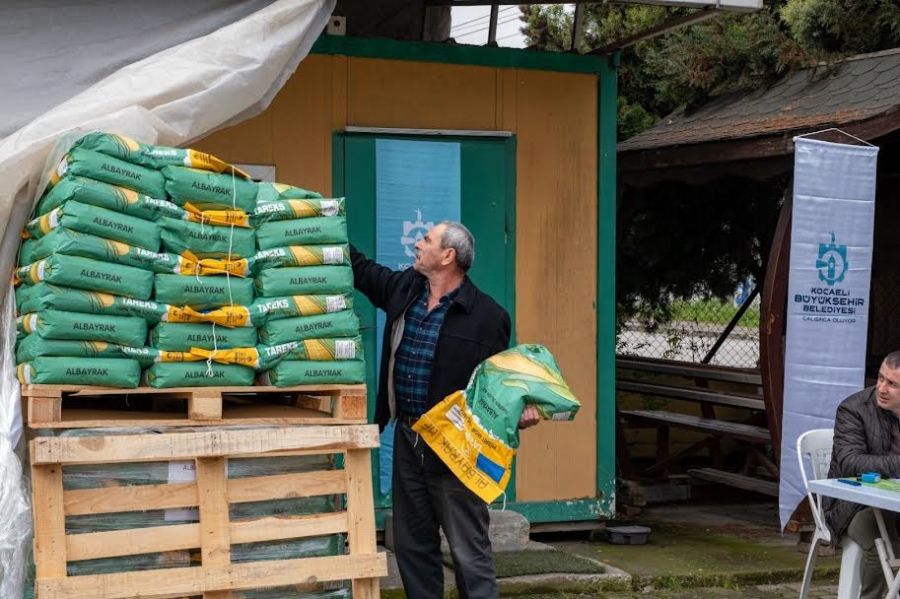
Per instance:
(877,499)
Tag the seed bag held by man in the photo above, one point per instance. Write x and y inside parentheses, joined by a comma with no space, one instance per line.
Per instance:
(475,431)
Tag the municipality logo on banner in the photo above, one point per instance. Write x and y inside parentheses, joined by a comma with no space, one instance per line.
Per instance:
(832,302)
(832,262)
(413,231)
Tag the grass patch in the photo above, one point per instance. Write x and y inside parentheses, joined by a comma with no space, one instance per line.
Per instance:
(529,563)
(680,557)
(714,311)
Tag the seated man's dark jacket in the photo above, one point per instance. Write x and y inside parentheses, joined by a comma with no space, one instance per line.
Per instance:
(862,443)
(475,328)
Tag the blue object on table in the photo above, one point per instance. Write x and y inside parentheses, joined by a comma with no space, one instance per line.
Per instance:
(870,477)
(847,481)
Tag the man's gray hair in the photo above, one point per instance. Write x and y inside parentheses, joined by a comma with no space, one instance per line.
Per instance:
(892,360)
(458,237)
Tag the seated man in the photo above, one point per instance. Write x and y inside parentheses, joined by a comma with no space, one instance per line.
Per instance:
(867,439)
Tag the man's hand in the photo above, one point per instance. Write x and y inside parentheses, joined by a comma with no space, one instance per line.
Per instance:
(529,418)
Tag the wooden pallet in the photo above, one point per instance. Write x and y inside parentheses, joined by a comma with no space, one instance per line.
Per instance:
(212,492)
(60,406)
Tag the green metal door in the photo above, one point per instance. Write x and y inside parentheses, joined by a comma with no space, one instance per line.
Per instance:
(481,175)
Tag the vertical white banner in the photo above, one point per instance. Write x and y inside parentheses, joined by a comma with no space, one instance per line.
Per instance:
(828,293)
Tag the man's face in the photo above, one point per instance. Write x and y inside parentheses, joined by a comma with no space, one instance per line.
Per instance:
(887,389)
(430,258)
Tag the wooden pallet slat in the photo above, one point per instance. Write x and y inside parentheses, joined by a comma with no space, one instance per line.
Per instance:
(178,582)
(203,406)
(187,446)
(49,522)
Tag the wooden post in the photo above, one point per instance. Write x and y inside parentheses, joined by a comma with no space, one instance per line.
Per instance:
(361,516)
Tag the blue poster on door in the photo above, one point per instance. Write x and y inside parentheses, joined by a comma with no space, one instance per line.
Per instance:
(417,185)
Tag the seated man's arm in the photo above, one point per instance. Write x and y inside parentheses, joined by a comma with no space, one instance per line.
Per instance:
(372,279)
(851,450)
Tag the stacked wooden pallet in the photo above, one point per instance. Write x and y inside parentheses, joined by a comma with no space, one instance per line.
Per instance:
(312,421)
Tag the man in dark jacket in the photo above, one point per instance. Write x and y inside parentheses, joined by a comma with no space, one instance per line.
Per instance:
(439,327)
(867,439)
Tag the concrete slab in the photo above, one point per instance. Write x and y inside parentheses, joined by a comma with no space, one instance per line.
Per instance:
(509,531)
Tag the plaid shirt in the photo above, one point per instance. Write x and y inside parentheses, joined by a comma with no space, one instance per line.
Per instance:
(415,355)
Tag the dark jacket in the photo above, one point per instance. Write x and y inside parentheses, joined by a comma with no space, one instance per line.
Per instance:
(475,328)
(862,443)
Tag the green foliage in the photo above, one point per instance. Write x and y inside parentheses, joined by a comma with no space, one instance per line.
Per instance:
(844,26)
(677,242)
(683,242)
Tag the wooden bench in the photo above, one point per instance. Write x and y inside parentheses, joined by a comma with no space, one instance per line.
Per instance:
(644,376)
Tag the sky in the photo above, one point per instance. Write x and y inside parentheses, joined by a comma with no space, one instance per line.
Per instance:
(470,26)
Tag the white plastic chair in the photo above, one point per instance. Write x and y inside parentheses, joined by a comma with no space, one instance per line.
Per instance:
(814,449)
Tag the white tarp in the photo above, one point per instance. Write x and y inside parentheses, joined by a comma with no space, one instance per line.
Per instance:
(164,72)
(828,293)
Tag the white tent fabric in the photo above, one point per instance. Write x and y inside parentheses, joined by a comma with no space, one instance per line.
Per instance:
(163,72)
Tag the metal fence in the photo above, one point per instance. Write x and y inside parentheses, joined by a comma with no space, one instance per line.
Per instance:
(692,333)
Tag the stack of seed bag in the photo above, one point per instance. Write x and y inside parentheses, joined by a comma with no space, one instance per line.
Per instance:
(87,264)
(308,331)
(146,258)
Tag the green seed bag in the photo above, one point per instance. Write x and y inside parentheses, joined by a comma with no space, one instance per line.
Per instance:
(311,350)
(155,157)
(104,195)
(43,296)
(94,165)
(207,241)
(304,231)
(210,191)
(182,337)
(100,372)
(73,243)
(339,324)
(301,255)
(203,293)
(265,309)
(305,280)
(92,275)
(277,192)
(35,346)
(100,222)
(475,431)
(270,309)
(198,374)
(54,324)
(289,373)
(270,211)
